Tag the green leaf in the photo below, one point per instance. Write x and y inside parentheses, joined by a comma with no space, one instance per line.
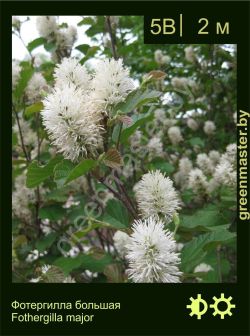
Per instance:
(45,243)
(138,120)
(96,27)
(68,264)
(116,215)
(58,195)
(14,139)
(81,169)
(228,197)
(36,43)
(187,195)
(34,108)
(83,48)
(62,171)
(86,21)
(50,46)
(203,219)
(88,262)
(37,174)
(138,98)
(197,142)
(213,275)
(162,166)
(90,53)
(194,251)
(52,212)
(25,75)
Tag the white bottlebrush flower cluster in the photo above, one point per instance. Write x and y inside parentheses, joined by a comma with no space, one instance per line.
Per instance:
(29,136)
(16,69)
(128,170)
(73,124)
(174,134)
(71,71)
(204,162)
(36,87)
(155,195)
(46,25)
(190,54)
(192,124)
(155,148)
(67,37)
(184,168)
(63,37)
(168,122)
(214,156)
(225,172)
(182,82)
(135,141)
(160,115)
(22,197)
(209,127)
(73,112)
(214,170)
(230,154)
(185,165)
(160,58)
(152,253)
(197,181)
(111,83)
(121,239)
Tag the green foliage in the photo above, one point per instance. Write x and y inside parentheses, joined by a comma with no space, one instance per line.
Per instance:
(116,215)
(89,53)
(45,242)
(194,251)
(93,263)
(35,43)
(197,142)
(137,99)
(25,75)
(163,166)
(34,108)
(82,168)
(52,212)
(137,121)
(204,219)
(37,174)
(62,171)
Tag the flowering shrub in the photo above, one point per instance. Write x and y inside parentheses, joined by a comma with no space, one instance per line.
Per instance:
(124,156)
